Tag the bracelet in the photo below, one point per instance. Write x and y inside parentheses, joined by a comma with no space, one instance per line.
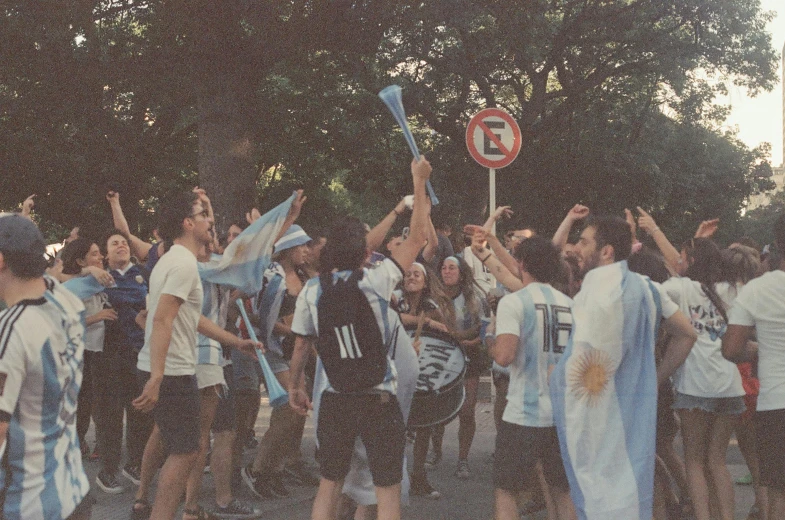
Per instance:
(396,213)
(655,230)
(482,260)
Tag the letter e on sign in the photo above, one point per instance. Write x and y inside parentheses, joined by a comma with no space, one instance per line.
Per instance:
(493,138)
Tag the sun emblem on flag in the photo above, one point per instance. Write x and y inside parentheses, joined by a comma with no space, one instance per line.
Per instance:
(590,374)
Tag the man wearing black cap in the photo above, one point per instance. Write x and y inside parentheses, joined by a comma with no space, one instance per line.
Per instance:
(41,351)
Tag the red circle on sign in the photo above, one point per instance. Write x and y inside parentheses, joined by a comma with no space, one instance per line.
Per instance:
(495,152)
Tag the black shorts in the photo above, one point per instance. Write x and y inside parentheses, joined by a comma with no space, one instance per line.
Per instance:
(770,435)
(518,448)
(226,414)
(177,412)
(377,420)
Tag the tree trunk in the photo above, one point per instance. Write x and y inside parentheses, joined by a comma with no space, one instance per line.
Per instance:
(227,168)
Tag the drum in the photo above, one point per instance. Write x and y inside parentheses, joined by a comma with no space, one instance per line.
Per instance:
(439,393)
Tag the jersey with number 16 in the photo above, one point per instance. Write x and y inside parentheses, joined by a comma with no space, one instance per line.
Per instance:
(541,318)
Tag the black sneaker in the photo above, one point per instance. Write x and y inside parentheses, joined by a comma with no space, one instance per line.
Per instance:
(257,483)
(133,473)
(276,485)
(237,510)
(299,474)
(421,488)
(108,483)
(251,443)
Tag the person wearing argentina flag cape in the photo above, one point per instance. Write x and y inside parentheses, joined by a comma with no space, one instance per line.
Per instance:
(604,388)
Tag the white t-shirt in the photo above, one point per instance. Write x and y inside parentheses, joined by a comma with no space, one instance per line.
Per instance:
(761,304)
(705,373)
(41,355)
(94,334)
(378,285)
(482,275)
(541,318)
(177,274)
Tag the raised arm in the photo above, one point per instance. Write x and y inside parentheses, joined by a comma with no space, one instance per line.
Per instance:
(429,251)
(291,217)
(503,275)
(578,212)
(502,255)
(407,252)
(139,248)
(376,236)
(27,206)
(670,253)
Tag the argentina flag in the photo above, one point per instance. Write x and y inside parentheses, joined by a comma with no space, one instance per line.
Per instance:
(83,287)
(244,261)
(604,395)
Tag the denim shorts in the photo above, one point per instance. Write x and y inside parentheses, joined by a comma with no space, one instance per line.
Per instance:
(718,405)
(276,361)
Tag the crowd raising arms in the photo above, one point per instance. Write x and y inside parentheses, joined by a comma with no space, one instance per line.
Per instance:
(444,299)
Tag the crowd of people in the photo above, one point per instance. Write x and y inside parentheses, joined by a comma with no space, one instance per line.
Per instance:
(601,350)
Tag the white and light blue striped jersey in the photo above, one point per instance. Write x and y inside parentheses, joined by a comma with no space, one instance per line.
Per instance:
(541,318)
(378,285)
(41,359)
(215,307)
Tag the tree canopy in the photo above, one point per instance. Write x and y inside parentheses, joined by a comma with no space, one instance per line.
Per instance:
(251,98)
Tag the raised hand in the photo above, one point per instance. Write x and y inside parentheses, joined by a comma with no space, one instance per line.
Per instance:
(578,212)
(252,216)
(630,222)
(297,206)
(646,222)
(28,205)
(707,228)
(421,169)
(502,211)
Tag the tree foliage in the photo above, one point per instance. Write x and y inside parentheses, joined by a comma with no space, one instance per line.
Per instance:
(613,98)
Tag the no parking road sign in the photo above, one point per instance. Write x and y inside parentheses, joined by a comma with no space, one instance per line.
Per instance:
(493,138)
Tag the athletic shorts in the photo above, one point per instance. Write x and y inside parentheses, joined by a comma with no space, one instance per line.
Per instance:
(225,415)
(518,448)
(770,435)
(377,419)
(209,375)
(718,405)
(177,412)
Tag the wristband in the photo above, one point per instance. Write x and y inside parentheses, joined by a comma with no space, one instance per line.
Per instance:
(482,260)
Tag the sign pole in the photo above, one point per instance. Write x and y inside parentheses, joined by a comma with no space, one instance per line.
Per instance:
(492,191)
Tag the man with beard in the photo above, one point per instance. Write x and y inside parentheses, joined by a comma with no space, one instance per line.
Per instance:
(604,388)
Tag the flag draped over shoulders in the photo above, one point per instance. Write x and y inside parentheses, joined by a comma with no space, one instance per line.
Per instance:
(244,261)
(604,393)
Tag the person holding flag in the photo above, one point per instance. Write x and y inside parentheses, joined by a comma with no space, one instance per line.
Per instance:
(604,388)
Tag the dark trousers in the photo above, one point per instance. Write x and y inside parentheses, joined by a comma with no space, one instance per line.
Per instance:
(117,387)
(85,401)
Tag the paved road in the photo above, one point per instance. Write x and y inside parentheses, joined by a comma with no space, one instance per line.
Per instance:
(462,500)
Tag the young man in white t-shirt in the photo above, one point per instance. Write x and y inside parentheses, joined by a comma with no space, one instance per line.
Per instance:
(41,357)
(167,361)
(759,309)
(374,415)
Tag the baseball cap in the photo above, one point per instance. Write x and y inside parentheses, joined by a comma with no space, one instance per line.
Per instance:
(20,235)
